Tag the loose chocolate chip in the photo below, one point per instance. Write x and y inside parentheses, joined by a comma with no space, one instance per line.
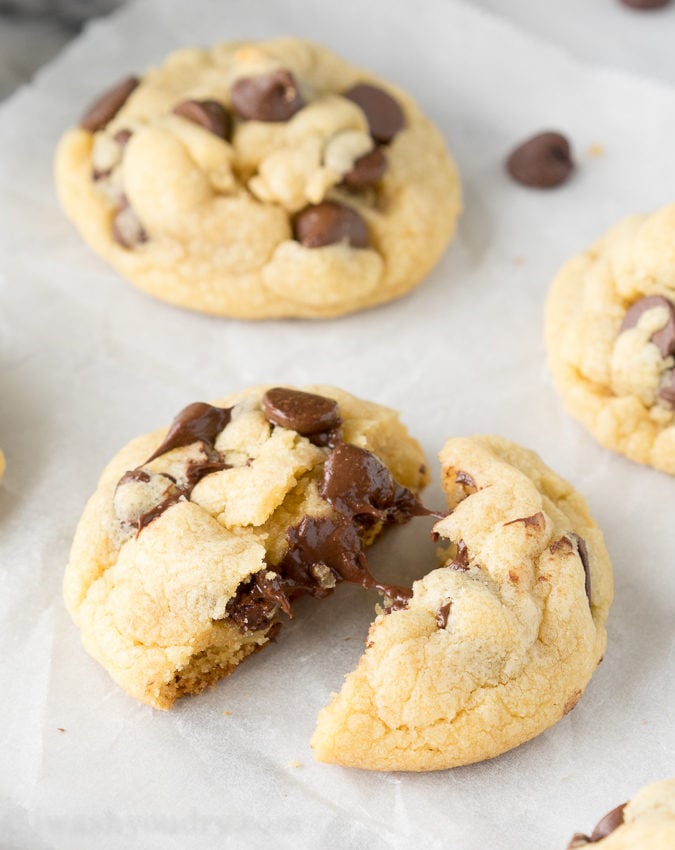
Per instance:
(611,821)
(667,390)
(127,228)
(367,171)
(106,107)
(544,161)
(208,114)
(328,223)
(305,413)
(268,97)
(663,339)
(383,113)
(198,422)
(645,4)
(442,614)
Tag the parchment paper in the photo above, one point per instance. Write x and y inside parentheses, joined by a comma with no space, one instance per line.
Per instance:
(87,362)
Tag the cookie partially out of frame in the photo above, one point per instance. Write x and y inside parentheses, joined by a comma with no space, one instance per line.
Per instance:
(610,335)
(647,822)
(495,646)
(261,180)
(197,540)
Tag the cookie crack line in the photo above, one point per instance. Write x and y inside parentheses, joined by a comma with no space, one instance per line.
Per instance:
(249,181)
(198,541)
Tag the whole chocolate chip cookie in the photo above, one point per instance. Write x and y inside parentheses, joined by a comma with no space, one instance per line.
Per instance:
(261,180)
(197,540)
(610,335)
(646,822)
(496,645)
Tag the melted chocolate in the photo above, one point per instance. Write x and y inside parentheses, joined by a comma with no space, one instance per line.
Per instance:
(442,613)
(582,549)
(357,483)
(198,422)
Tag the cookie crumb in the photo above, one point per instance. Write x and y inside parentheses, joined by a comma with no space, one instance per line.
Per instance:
(294,764)
(227,714)
(595,150)
(60,729)
(518,261)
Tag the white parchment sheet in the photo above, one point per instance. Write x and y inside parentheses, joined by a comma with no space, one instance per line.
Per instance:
(87,362)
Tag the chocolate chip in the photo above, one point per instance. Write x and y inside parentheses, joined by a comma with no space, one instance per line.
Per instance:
(268,97)
(461,559)
(367,171)
(582,549)
(357,483)
(645,4)
(383,113)
(127,228)
(328,223)
(663,339)
(122,137)
(544,161)
(611,821)
(106,107)
(667,389)
(208,114)
(198,422)
(442,614)
(305,413)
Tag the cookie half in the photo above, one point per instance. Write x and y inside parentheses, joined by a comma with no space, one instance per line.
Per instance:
(610,335)
(197,540)
(646,822)
(261,180)
(495,646)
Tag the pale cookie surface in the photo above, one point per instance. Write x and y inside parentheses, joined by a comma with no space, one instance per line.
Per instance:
(261,180)
(495,646)
(610,336)
(197,540)
(647,822)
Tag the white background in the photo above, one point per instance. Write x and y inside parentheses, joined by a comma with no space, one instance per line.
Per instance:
(86,363)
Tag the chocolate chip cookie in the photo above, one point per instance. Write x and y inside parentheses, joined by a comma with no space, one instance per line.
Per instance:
(261,180)
(197,540)
(496,645)
(646,822)
(610,335)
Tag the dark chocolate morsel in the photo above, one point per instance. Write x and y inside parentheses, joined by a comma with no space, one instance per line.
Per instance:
(544,161)
(357,483)
(582,549)
(208,114)
(442,613)
(305,413)
(367,170)
(267,97)
(663,339)
(667,389)
(383,113)
(645,4)
(127,228)
(611,821)
(198,422)
(328,223)
(107,105)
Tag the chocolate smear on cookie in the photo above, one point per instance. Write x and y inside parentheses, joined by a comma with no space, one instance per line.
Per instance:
(383,113)
(270,97)
(663,339)
(107,105)
(209,114)
(543,162)
(329,223)
(126,226)
(442,614)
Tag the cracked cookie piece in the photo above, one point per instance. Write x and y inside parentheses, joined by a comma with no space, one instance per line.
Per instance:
(646,822)
(261,180)
(610,335)
(197,540)
(496,645)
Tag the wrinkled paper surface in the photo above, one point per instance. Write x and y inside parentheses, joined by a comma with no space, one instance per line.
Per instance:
(87,362)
